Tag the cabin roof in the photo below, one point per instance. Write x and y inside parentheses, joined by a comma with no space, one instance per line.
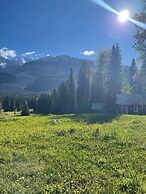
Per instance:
(134,99)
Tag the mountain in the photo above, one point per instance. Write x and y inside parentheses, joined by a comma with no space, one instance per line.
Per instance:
(42,75)
(6,78)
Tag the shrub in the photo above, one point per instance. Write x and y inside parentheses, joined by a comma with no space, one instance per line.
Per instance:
(25,109)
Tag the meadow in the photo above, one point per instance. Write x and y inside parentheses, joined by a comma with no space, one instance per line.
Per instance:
(72,154)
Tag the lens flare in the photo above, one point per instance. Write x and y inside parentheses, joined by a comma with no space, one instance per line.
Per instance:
(138,23)
(103,4)
(123,16)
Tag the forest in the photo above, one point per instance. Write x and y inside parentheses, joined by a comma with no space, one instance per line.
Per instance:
(95,84)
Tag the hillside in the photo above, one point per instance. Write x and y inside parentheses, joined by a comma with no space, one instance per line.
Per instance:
(72,154)
(44,74)
(6,78)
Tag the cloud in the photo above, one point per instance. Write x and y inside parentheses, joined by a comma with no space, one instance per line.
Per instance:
(88,53)
(7,53)
(29,54)
(48,55)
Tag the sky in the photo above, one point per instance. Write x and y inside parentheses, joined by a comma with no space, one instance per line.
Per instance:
(77,28)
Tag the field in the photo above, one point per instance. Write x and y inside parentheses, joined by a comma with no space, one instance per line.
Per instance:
(72,154)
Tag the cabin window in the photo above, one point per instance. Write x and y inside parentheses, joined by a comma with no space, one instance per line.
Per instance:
(135,109)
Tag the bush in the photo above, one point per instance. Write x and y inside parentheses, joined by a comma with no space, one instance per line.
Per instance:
(25,109)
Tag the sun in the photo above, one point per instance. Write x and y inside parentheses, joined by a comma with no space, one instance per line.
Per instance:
(124,16)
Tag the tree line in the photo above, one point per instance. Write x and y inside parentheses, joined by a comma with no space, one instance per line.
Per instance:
(95,84)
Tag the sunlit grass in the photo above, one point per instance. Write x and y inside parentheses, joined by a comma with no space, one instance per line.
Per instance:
(72,154)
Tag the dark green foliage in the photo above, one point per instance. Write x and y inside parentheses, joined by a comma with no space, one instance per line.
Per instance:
(43,104)
(72,93)
(62,100)
(140,36)
(140,45)
(83,89)
(100,78)
(143,75)
(1,106)
(132,76)
(25,109)
(97,92)
(71,131)
(9,103)
(54,102)
(114,78)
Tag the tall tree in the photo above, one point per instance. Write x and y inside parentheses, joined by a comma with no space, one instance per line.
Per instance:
(72,93)
(143,75)
(99,82)
(140,46)
(54,102)
(140,36)
(126,87)
(63,98)
(1,107)
(43,104)
(114,78)
(132,76)
(83,89)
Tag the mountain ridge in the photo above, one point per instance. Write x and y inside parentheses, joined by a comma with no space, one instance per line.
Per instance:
(41,75)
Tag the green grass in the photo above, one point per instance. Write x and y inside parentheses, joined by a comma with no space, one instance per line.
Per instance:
(75,154)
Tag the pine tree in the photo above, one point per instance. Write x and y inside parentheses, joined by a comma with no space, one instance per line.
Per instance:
(114,78)
(132,76)
(83,89)
(63,98)
(7,104)
(1,107)
(72,93)
(140,36)
(43,104)
(143,76)
(25,109)
(54,102)
(126,87)
(99,82)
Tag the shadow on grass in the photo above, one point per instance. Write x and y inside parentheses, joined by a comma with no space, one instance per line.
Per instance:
(90,118)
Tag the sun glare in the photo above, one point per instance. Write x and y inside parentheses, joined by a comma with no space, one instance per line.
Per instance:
(124,16)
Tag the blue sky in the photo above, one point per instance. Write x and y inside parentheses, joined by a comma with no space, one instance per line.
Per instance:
(69,27)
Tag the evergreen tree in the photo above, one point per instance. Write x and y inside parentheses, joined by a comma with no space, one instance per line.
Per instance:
(83,89)
(1,107)
(54,102)
(132,76)
(140,36)
(126,87)
(63,98)
(143,75)
(43,104)
(72,93)
(7,104)
(25,109)
(99,82)
(114,78)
